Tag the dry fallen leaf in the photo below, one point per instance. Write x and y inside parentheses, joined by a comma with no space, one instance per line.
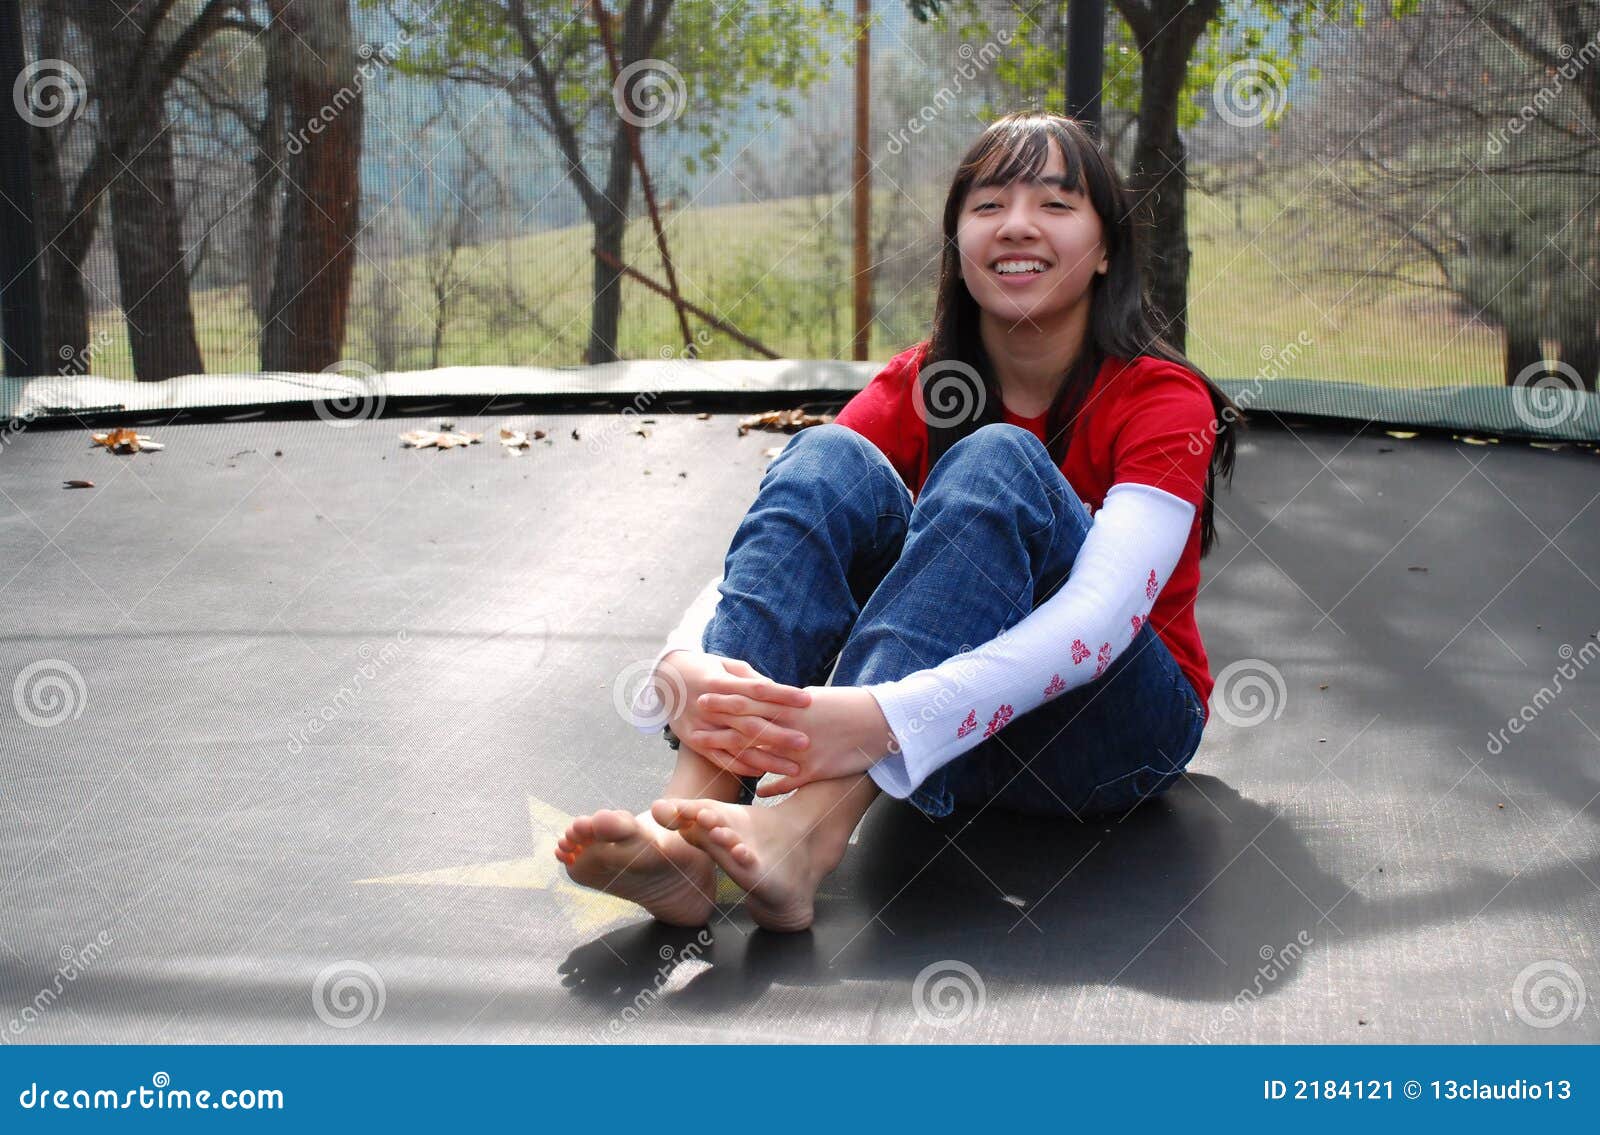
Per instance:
(514,439)
(782,421)
(769,454)
(77,484)
(1403,435)
(703,416)
(126,441)
(641,431)
(422,439)
(1550,445)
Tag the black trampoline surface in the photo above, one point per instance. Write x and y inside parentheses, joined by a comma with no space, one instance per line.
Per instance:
(185,857)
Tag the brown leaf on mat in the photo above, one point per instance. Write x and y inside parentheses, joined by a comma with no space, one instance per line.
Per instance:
(126,441)
(77,484)
(782,421)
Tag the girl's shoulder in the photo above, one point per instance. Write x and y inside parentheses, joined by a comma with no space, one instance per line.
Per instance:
(905,366)
(1146,371)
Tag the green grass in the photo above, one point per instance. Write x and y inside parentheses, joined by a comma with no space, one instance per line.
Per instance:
(763,267)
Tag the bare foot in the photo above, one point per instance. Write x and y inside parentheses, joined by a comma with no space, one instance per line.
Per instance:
(633,858)
(776,860)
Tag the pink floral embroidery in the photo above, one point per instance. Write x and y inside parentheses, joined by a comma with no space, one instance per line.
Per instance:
(1150,587)
(997,722)
(1138,621)
(1103,659)
(1055,687)
(1079,651)
(969,724)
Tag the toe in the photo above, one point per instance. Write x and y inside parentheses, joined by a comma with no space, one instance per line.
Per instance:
(706,815)
(665,813)
(582,829)
(615,825)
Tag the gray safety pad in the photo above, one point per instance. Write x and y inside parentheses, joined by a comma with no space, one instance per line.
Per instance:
(184,856)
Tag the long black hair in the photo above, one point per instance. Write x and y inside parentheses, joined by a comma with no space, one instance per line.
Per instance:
(1122,324)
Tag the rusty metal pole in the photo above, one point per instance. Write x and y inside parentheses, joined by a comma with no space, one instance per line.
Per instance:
(862,175)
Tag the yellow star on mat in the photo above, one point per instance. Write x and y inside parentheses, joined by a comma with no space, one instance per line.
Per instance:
(588,910)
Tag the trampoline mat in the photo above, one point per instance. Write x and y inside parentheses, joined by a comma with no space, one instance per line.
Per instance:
(296,714)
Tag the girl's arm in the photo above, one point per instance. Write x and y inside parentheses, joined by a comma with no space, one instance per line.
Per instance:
(1069,640)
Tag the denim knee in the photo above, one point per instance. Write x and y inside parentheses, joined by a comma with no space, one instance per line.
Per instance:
(1000,461)
(831,453)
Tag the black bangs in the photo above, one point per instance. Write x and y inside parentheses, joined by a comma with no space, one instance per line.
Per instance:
(1021,153)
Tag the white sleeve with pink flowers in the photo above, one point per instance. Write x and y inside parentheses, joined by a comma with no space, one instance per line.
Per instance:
(1067,641)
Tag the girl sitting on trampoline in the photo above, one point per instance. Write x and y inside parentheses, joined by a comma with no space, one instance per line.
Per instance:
(994,639)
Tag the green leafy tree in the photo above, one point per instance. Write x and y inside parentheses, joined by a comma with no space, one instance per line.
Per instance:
(685,64)
(1168,64)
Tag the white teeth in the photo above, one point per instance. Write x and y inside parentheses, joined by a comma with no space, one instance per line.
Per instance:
(1016,267)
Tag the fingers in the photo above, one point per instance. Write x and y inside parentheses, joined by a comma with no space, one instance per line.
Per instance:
(757,688)
(759,732)
(737,748)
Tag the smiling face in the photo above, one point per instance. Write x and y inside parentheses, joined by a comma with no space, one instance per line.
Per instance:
(1030,249)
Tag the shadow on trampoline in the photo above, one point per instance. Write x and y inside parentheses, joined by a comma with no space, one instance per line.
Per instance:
(1194,896)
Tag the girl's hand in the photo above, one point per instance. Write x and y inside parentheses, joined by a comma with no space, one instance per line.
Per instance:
(691,675)
(841,732)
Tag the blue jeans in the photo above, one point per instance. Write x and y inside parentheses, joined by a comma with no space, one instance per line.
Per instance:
(834,563)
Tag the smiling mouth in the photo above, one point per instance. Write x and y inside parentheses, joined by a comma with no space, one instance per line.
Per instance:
(1011,268)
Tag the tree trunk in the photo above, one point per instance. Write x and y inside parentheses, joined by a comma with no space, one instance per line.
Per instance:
(610,218)
(1159,183)
(146,230)
(66,307)
(1582,354)
(267,169)
(1166,32)
(315,262)
(1522,351)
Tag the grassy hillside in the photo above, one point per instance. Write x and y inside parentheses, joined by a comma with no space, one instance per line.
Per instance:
(1259,279)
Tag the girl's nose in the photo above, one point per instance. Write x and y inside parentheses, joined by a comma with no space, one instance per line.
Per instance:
(1017,222)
